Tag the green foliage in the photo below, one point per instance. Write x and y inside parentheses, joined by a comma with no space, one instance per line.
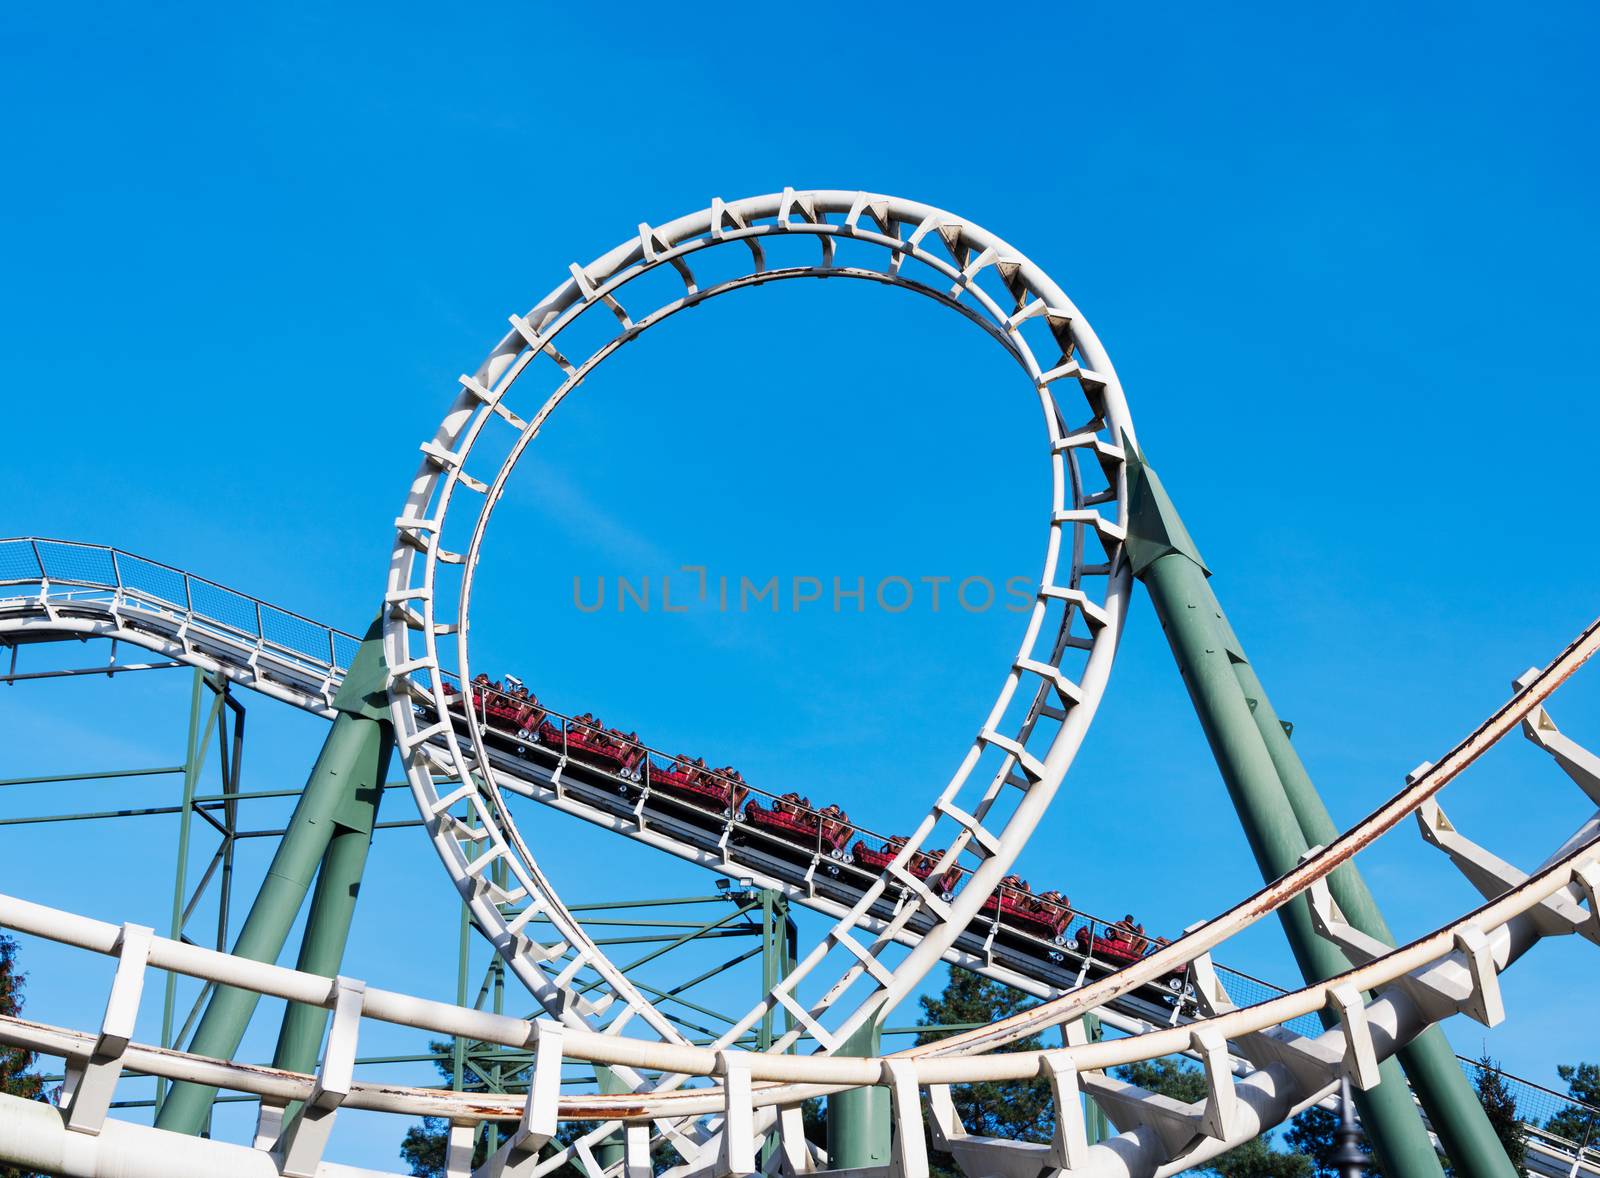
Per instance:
(1183,1081)
(17,1077)
(1168,1076)
(1022,1109)
(1575,1122)
(1016,1110)
(1501,1107)
(1025,1110)
(1314,1134)
(424,1148)
(815,1121)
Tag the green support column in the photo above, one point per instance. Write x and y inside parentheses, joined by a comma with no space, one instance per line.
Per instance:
(333,906)
(1429,1062)
(1165,558)
(612,1148)
(1096,1127)
(770,954)
(195,750)
(353,763)
(771,961)
(858,1120)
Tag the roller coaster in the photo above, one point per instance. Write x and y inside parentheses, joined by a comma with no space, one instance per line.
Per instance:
(899,904)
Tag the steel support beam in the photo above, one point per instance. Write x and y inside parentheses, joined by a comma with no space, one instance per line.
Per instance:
(1097,1127)
(612,1148)
(195,750)
(351,766)
(1429,1062)
(858,1120)
(328,922)
(1165,558)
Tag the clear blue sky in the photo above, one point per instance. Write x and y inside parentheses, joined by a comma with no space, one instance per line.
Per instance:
(1342,257)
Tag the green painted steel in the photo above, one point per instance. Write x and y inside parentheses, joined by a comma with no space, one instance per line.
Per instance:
(613,1147)
(107,775)
(327,928)
(1429,1061)
(194,751)
(769,969)
(858,1120)
(1097,1127)
(353,763)
(1164,557)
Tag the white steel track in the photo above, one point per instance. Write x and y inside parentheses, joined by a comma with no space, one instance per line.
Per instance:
(1022,749)
(140,612)
(1452,970)
(460,774)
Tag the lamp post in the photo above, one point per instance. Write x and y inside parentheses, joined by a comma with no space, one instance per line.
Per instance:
(1348,1154)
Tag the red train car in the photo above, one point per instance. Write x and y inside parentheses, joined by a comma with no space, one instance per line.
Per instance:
(920,864)
(516,711)
(585,738)
(1123,944)
(1045,915)
(687,779)
(793,819)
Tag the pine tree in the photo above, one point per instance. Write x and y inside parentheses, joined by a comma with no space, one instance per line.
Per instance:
(1020,1109)
(1024,1109)
(1501,1107)
(1577,1122)
(425,1145)
(17,1077)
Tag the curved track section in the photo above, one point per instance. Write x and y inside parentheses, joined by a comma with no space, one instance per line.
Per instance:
(58,589)
(63,591)
(1452,970)
(983,817)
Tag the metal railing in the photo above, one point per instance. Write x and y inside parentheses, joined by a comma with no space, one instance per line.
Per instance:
(62,572)
(788,821)
(66,571)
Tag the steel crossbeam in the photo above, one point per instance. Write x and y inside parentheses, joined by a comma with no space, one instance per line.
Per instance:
(1451,970)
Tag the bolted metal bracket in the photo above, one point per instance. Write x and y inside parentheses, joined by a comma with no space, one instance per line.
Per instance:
(301,1146)
(1130,1107)
(92,1082)
(1576,761)
(1557,915)
(1069,1148)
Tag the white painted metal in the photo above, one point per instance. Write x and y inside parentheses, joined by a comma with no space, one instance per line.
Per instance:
(90,1083)
(1414,986)
(1025,743)
(1389,1020)
(126,613)
(127,599)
